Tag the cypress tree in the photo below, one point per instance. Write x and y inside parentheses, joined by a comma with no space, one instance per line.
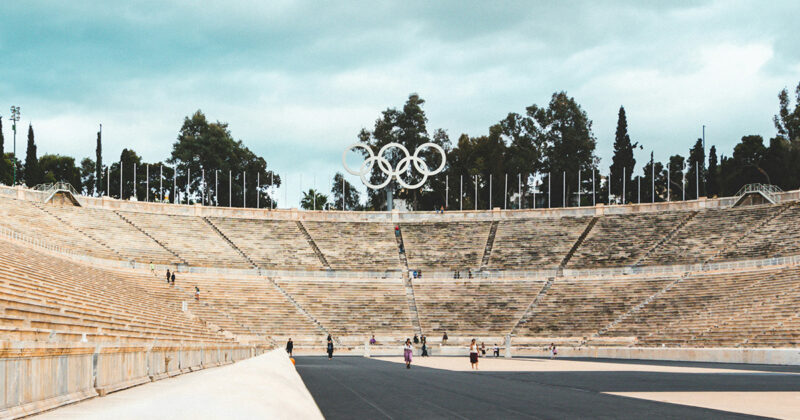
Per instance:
(33,175)
(623,158)
(713,173)
(98,164)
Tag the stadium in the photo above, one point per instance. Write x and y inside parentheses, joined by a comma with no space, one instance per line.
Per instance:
(709,280)
(429,210)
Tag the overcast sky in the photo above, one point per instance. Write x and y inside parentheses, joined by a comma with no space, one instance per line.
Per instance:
(296,81)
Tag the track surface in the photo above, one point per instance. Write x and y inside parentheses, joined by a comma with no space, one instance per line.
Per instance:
(356,387)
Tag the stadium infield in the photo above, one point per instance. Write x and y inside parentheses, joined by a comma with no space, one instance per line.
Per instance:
(444,387)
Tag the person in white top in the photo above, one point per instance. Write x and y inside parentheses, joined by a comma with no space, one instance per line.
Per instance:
(473,354)
(408,350)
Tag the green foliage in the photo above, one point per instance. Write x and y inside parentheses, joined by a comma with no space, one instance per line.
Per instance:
(5,160)
(33,173)
(712,178)
(98,186)
(697,172)
(623,161)
(313,200)
(209,146)
(87,171)
(342,188)
(58,168)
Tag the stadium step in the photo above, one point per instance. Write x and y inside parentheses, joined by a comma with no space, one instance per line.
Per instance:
(487,251)
(320,255)
(412,302)
(233,245)
(577,243)
(92,238)
(523,320)
(302,310)
(666,238)
(733,243)
(183,261)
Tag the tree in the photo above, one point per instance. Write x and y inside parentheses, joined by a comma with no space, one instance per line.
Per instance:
(787,121)
(33,174)
(652,168)
(352,198)
(696,175)
(712,183)
(676,179)
(623,160)
(203,146)
(58,168)
(313,200)
(565,132)
(87,172)
(98,166)
(745,166)
(5,161)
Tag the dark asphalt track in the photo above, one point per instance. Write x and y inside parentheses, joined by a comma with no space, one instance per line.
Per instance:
(360,388)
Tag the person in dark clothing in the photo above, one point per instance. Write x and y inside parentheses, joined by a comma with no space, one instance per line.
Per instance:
(444,338)
(289,346)
(173,278)
(424,349)
(330,348)
(168,276)
(196,293)
(416,339)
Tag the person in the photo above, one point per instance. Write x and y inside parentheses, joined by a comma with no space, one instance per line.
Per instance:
(553,351)
(289,346)
(496,350)
(173,278)
(373,341)
(424,349)
(473,354)
(196,293)
(408,350)
(483,349)
(330,347)
(168,277)
(441,210)
(152,268)
(416,339)
(444,338)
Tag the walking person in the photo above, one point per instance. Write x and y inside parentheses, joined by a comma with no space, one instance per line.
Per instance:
(473,354)
(496,350)
(168,276)
(173,278)
(408,350)
(483,349)
(196,293)
(330,348)
(553,351)
(152,268)
(444,338)
(416,339)
(289,346)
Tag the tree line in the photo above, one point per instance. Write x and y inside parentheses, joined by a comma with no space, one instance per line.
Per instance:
(546,157)
(542,157)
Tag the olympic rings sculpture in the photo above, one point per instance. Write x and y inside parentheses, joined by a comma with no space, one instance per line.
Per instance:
(386,167)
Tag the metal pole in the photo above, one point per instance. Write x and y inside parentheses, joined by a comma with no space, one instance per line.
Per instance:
(549,192)
(188,182)
(244,189)
(175,184)
(505,194)
(490,191)
(519,191)
(579,187)
(230,187)
(447,191)
(653,181)
(344,192)
(272,188)
(608,182)
(161,182)
(461,195)
(147,183)
(134,181)
(258,192)
(476,191)
(120,180)
(535,178)
(203,185)
(593,196)
(639,190)
(697,177)
(669,181)
(14,119)
(683,185)
(108,180)
(624,196)
(216,187)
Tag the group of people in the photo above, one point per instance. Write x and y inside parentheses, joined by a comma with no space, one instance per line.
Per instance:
(171,282)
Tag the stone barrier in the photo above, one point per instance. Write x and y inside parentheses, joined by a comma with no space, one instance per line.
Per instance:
(779,356)
(36,377)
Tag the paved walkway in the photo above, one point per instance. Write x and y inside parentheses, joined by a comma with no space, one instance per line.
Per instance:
(264,387)
(354,387)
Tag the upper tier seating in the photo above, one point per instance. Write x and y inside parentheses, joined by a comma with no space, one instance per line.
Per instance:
(46,298)
(472,307)
(521,244)
(108,228)
(361,246)
(778,238)
(577,308)
(271,244)
(708,233)
(26,218)
(354,307)
(618,240)
(192,238)
(445,246)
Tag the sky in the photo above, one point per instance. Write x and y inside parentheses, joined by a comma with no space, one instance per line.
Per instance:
(297,81)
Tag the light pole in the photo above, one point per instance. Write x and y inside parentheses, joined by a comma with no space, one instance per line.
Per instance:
(14,119)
